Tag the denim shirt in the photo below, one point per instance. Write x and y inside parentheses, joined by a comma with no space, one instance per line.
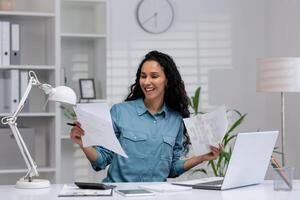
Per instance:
(153,144)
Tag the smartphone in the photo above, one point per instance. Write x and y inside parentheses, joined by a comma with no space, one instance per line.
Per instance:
(135,192)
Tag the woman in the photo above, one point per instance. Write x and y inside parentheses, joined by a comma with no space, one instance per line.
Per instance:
(149,127)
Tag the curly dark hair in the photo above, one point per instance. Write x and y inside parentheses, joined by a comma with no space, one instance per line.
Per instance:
(175,94)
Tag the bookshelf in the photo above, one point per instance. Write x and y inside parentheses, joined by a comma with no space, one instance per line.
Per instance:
(37,20)
(83,39)
(62,41)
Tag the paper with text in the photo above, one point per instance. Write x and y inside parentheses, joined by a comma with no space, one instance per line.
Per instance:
(74,191)
(95,120)
(207,129)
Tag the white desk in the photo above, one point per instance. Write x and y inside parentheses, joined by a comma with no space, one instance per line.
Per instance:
(257,192)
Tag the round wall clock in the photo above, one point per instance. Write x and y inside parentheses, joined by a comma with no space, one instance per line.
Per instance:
(155,16)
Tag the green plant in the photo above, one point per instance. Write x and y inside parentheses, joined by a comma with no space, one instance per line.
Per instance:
(219,165)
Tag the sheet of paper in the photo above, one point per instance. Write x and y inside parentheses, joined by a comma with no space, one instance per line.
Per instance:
(207,129)
(72,190)
(95,120)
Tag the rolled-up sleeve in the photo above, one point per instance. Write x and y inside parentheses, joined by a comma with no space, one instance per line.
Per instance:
(105,156)
(177,164)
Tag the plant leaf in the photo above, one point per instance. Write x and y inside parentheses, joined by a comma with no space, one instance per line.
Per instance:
(226,155)
(234,110)
(213,166)
(228,140)
(196,99)
(237,123)
(221,156)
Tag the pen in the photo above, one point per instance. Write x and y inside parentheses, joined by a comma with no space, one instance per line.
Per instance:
(275,165)
(71,124)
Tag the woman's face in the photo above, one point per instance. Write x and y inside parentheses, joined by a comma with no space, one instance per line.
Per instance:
(153,81)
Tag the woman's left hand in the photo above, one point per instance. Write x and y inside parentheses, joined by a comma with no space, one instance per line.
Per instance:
(195,160)
(214,154)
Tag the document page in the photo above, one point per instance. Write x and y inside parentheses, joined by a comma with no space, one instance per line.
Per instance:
(207,129)
(95,120)
(71,191)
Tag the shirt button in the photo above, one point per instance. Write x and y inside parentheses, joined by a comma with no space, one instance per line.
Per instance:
(134,137)
(154,122)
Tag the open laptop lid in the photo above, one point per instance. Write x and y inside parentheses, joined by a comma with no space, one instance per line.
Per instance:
(249,159)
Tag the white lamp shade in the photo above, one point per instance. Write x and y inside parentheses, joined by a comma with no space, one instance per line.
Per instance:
(63,94)
(278,74)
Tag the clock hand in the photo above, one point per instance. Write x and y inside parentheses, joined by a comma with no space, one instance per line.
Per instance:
(149,18)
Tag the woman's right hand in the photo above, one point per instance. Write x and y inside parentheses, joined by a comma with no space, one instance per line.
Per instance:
(76,134)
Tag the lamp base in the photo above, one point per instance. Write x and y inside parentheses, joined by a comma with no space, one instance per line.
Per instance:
(34,184)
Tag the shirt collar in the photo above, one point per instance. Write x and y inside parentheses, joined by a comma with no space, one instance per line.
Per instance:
(141,108)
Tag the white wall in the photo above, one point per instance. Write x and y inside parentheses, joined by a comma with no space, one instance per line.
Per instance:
(252,31)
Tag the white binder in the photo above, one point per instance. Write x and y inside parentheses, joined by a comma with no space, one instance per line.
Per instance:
(15,44)
(5,43)
(11,90)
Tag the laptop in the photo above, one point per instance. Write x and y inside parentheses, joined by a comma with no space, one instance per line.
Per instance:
(248,163)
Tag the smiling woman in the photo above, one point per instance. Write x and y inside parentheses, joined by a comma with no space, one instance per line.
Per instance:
(153,83)
(149,127)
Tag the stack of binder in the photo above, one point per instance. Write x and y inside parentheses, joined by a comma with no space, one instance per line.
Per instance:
(9,43)
(13,81)
(13,86)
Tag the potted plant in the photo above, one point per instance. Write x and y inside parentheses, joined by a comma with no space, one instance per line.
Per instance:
(218,166)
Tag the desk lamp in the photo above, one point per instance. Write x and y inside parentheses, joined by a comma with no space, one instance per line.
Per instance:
(61,94)
(279,75)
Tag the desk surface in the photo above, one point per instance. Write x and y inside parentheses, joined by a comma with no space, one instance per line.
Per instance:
(261,192)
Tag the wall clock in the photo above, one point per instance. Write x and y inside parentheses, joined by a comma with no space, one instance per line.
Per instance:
(155,16)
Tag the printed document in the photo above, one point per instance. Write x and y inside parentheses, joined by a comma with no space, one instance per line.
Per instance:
(95,120)
(207,129)
(72,191)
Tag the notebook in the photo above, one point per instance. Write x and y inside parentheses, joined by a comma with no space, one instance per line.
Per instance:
(248,163)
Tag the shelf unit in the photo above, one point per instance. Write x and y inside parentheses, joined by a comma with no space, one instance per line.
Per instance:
(31,114)
(62,41)
(37,20)
(83,39)
(83,42)
(26,14)
(29,67)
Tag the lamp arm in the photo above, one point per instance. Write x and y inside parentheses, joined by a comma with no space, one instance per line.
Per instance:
(32,81)
(11,121)
(32,167)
